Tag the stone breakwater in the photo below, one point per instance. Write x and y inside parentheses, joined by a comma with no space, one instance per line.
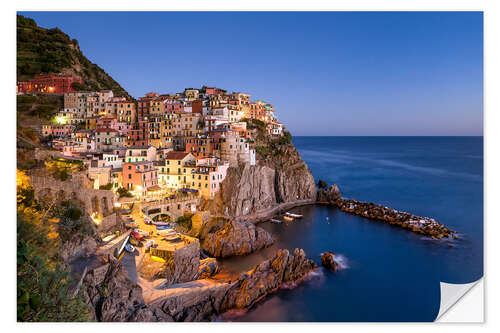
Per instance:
(331,195)
(422,225)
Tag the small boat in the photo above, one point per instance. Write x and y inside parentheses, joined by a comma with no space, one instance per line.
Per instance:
(129,248)
(276,221)
(131,225)
(161,227)
(149,243)
(297,216)
(142,232)
(166,232)
(161,224)
(158,259)
(287,218)
(171,237)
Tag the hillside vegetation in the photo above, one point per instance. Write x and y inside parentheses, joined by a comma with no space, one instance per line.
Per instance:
(41,50)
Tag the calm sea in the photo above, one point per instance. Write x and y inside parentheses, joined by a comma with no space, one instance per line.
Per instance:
(389,274)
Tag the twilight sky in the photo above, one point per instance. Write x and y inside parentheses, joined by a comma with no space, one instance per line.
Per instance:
(326,73)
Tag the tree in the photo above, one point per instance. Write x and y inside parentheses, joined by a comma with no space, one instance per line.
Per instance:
(43,284)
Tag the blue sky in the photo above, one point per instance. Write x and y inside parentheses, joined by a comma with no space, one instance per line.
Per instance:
(327,73)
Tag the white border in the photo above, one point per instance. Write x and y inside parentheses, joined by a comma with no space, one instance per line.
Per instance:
(492,167)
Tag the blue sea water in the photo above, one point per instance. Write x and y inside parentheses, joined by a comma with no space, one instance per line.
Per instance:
(390,274)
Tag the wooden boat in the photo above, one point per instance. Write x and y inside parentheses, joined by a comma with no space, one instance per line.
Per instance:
(171,237)
(131,225)
(161,224)
(297,216)
(158,259)
(287,218)
(276,221)
(161,227)
(166,232)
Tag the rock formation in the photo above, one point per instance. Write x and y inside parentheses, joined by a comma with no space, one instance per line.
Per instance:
(183,266)
(280,178)
(224,237)
(243,293)
(328,261)
(422,225)
(267,277)
(208,268)
(78,246)
(113,297)
(328,195)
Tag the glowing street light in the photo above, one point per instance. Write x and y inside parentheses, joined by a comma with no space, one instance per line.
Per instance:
(60,120)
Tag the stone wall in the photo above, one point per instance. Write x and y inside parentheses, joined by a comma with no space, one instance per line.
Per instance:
(171,207)
(77,188)
(181,265)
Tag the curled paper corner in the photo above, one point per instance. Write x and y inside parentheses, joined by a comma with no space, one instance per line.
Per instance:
(460,303)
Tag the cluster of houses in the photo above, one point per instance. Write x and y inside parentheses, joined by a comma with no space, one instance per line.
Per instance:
(160,143)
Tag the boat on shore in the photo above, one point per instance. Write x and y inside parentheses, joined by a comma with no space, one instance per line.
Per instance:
(276,221)
(297,216)
(161,223)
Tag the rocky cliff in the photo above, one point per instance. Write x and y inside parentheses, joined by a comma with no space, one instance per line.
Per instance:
(243,293)
(113,297)
(279,177)
(224,237)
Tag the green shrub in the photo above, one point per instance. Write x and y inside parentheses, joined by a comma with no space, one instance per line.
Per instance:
(124,193)
(108,186)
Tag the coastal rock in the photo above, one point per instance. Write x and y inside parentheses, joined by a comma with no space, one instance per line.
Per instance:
(418,224)
(112,296)
(208,268)
(329,194)
(266,278)
(224,237)
(78,246)
(328,261)
(322,184)
(279,179)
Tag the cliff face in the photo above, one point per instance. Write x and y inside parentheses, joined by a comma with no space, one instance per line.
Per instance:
(222,237)
(279,177)
(113,297)
(243,293)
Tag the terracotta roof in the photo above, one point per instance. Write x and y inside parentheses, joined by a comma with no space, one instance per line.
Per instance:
(106,130)
(176,155)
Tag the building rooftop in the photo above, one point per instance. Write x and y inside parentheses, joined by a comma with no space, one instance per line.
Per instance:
(176,155)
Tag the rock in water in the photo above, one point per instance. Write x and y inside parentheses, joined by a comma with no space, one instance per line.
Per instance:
(322,184)
(329,194)
(224,237)
(267,277)
(328,261)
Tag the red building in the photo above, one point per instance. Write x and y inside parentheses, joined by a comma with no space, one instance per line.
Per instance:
(49,83)
(139,134)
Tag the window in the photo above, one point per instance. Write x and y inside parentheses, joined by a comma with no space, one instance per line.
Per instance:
(129,176)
